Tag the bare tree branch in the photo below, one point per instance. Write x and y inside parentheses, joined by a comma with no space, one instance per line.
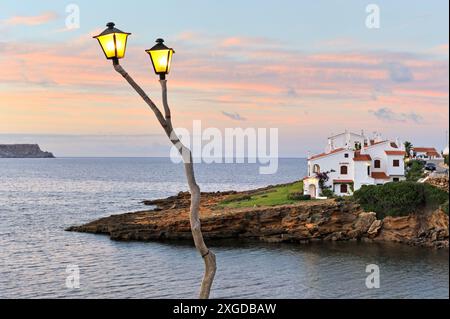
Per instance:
(165,103)
(166,122)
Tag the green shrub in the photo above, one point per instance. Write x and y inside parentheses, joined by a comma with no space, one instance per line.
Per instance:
(298,196)
(327,193)
(400,199)
(434,197)
(414,170)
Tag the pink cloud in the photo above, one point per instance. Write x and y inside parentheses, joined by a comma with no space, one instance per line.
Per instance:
(31,20)
(66,78)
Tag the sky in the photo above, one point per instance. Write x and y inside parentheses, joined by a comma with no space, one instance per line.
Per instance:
(309,68)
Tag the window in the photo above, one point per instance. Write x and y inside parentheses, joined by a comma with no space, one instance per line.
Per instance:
(344,188)
(377,164)
(396,163)
(346,155)
(344,170)
(368,170)
(316,169)
(396,179)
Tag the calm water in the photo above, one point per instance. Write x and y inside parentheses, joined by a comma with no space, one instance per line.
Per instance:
(39,198)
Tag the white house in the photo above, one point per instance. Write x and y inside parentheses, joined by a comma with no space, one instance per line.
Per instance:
(352,160)
(425,153)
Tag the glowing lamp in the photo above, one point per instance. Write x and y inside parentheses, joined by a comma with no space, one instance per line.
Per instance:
(161,57)
(113,42)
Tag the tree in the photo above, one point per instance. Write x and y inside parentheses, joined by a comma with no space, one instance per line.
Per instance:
(166,122)
(408,148)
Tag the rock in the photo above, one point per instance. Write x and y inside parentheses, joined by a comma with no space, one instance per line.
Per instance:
(23,151)
(302,222)
(429,229)
(375,228)
(439,182)
(362,224)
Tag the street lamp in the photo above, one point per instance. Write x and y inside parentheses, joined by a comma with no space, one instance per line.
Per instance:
(113,43)
(161,57)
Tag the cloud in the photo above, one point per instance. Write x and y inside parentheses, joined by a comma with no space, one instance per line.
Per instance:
(386,114)
(234,116)
(239,41)
(39,96)
(400,73)
(31,20)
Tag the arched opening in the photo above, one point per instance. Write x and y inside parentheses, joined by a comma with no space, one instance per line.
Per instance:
(344,170)
(316,168)
(312,191)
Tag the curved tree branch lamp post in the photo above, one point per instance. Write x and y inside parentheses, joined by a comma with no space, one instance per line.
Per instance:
(113,43)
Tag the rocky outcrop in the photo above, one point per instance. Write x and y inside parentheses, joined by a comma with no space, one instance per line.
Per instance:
(429,230)
(306,221)
(23,151)
(439,182)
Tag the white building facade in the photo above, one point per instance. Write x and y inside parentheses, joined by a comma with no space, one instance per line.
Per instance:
(351,161)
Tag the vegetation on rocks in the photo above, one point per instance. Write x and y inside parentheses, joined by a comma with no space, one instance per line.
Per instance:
(302,222)
(400,199)
(277,195)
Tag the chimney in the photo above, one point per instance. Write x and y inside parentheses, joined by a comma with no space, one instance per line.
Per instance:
(347,140)
(328,148)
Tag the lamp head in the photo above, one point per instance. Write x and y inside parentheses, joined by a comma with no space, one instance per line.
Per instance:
(113,42)
(161,57)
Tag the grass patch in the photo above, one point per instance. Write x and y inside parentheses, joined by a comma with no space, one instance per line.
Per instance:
(279,195)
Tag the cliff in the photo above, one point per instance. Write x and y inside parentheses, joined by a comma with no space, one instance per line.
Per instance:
(303,222)
(23,151)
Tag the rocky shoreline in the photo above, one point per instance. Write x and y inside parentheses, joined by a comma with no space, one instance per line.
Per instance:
(303,222)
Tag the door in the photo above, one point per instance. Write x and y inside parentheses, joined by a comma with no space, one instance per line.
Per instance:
(312,191)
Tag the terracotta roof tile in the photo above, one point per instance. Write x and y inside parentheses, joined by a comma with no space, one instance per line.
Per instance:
(361,157)
(379,175)
(326,154)
(424,149)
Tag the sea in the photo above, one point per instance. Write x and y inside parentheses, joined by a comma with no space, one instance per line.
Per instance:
(39,198)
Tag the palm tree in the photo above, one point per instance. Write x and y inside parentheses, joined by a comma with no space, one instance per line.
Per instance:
(408,148)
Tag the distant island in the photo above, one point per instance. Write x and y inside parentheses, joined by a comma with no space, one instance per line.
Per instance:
(23,151)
